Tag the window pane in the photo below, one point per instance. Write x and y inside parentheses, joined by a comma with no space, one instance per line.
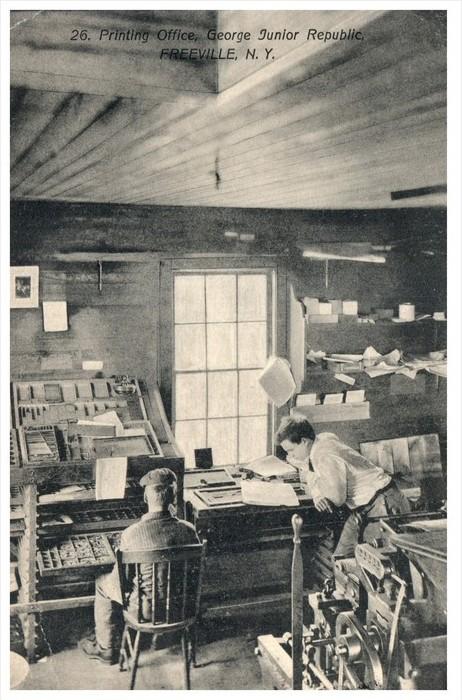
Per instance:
(252,297)
(221,297)
(189,347)
(222,394)
(252,344)
(253,438)
(221,345)
(190,436)
(252,398)
(190,396)
(222,438)
(189,299)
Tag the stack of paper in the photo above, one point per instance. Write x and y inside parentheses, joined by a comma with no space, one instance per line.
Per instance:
(270,467)
(268,493)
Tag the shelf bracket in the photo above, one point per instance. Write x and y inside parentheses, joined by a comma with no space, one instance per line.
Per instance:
(100,276)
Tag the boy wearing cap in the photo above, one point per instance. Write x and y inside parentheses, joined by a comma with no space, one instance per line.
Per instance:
(336,476)
(158,528)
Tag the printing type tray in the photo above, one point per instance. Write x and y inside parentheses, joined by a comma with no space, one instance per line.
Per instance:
(39,444)
(103,518)
(78,551)
(220,497)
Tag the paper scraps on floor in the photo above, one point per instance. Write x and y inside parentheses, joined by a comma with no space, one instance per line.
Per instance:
(268,493)
(111,477)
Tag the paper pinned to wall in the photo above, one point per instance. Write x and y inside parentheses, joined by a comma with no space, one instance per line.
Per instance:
(268,493)
(54,316)
(111,477)
(277,381)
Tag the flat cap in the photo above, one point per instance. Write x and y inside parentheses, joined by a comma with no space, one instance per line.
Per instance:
(158,477)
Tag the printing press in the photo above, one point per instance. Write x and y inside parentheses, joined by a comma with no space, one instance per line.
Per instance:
(379,623)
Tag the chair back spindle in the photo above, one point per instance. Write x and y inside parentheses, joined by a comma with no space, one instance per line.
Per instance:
(166,582)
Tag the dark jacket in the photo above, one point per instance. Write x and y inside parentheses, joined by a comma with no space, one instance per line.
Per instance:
(155,531)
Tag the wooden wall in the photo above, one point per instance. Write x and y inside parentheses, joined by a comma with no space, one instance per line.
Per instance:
(117,325)
(398,407)
(120,325)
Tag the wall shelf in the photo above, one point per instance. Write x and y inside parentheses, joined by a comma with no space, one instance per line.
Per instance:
(330,413)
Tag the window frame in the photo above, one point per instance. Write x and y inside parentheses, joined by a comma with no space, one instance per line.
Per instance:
(277,281)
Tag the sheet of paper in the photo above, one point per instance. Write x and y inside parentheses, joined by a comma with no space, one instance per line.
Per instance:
(54,316)
(340,357)
(315,356)
(392,358)
(270,466)
(306,399)
(355,396)
(111,477)
(440,370)
(333,398)
(277,381)
(112,418)
(407,372)
(371,353)
(345,378)
(96,429)
(268,493)
(379,370)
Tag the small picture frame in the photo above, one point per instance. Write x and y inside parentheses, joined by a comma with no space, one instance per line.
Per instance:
(24,287)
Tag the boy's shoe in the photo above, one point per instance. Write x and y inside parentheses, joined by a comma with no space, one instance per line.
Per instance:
(92,649)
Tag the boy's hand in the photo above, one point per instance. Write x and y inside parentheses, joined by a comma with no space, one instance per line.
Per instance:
(322,504)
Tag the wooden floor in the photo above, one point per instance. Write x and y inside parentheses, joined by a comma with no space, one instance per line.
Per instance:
(226,661)
(228,664)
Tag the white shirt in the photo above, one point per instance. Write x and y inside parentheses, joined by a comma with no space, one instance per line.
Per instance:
(341,474)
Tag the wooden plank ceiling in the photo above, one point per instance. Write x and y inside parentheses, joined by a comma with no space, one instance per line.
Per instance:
(333,125)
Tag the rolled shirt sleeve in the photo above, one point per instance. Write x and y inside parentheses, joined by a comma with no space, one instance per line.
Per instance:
(329,480)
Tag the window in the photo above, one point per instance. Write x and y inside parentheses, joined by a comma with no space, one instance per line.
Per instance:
(222,339)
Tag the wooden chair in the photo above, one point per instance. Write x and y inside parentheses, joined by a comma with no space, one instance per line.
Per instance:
(173,600)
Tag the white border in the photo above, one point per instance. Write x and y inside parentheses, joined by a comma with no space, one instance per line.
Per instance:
(454,306)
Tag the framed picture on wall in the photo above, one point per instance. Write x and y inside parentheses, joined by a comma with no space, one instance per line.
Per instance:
(24,287)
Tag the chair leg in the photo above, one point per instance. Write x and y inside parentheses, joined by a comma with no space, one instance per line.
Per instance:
(184,641)
(193,640)
(134,661)
(123,660)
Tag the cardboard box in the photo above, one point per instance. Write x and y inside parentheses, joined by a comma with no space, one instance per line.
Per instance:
(323,318)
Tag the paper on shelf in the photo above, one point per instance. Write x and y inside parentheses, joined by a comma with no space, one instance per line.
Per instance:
(441,370)
(268,493)
(277,381)
(355,396)
(345,378)
(111,477)
(111,417)
(393,357)
(306,400)
(270,466)
(370,354)
(315,355)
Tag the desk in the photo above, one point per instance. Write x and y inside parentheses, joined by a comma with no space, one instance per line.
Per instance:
(249,551)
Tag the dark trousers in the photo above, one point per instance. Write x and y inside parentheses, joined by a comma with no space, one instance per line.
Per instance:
(108,611)
(357,529)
